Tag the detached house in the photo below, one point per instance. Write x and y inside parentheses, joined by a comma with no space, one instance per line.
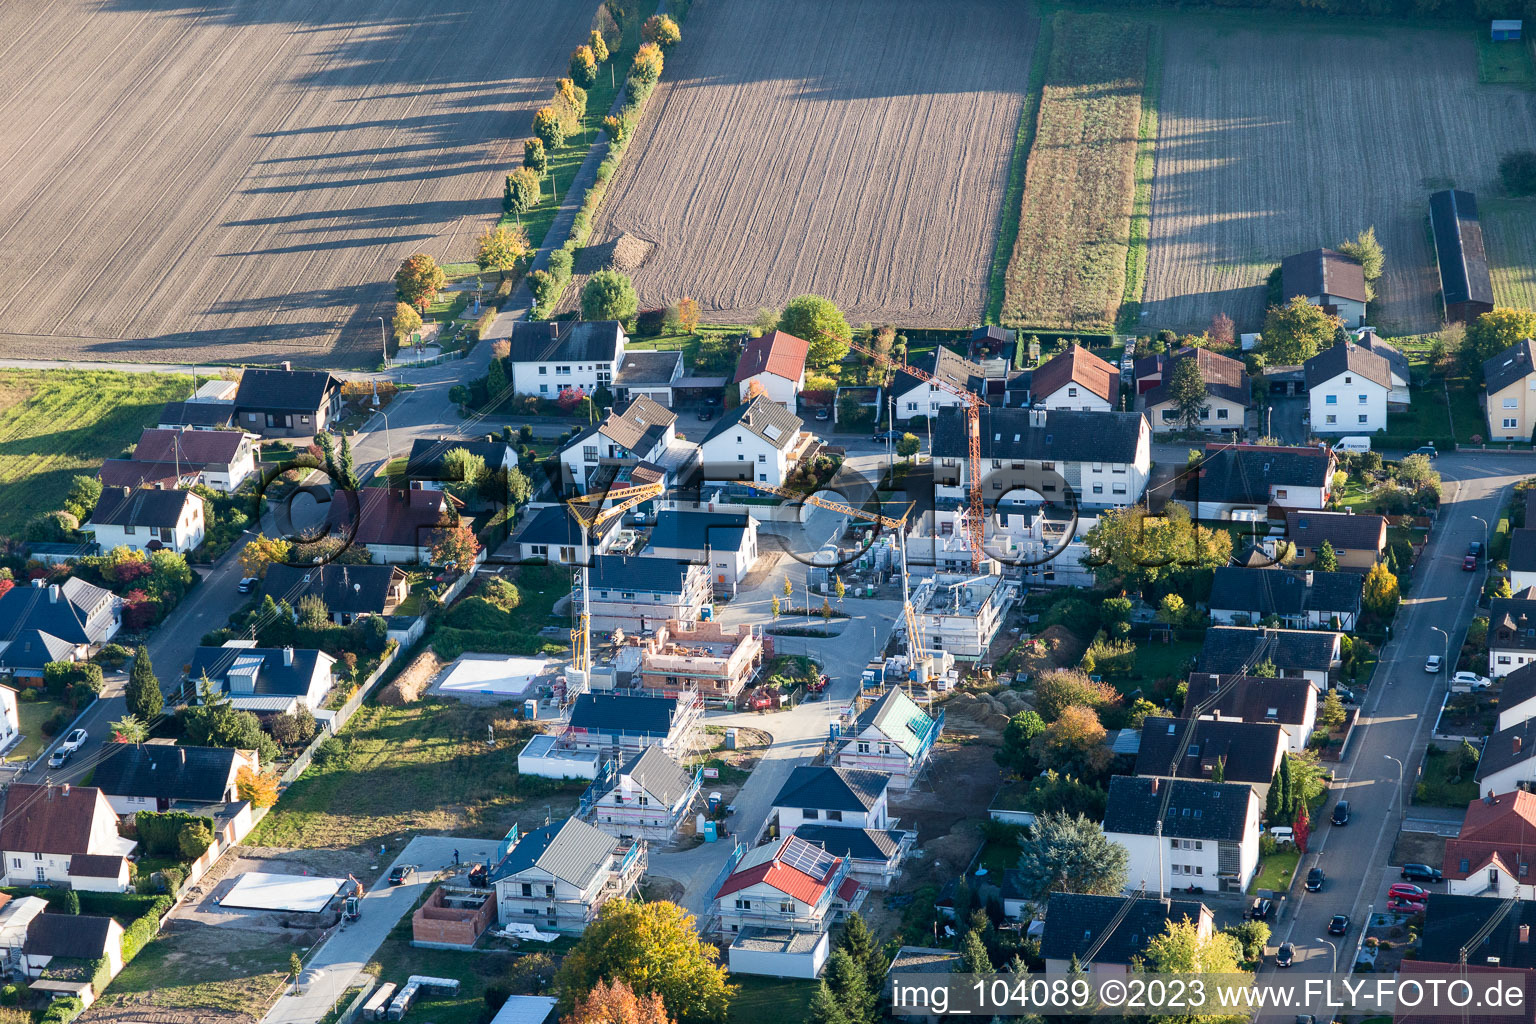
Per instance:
(350,592)
(427,465)
(1305,653)
(1229,393)
(552,534)
(1511,633)
(1493,853)
(148,520)
(647,798)
(650,375)
(155,776)
(638,445)
(915,396)
(46,622)
(725,543)
(758,440)
(774,362)
(1075,379)
(265,680)
(287,402)
(218,459)
(551,356)
(622,724)
(1328,279)
(62,835)
(1103,458)
(893,735)
(639,594)
(1358,542)
(1348,386)
(1177,748)
(1289,702)
(1298,598)
(1209,834)
(395,525)
(779,904)
(844,812)
(1242,481)
(1509,379)
(1075,923)
(558,877)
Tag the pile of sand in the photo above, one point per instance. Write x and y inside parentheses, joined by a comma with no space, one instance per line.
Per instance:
(412,682)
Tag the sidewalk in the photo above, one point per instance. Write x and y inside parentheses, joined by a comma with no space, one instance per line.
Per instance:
(335,964)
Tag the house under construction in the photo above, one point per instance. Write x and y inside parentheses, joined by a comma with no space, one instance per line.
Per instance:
(713,660)
(960,614)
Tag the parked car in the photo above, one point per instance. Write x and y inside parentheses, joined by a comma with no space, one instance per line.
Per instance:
(1261,908)
(248,585)
(1432,664)
(1341,813)
(1405,907)
(1347,695)
(1427,451)
(57,758)
(1285,955)
(74,741)
(402,873)
(887,435)
(706,413)
(1421,873)
(1469,564)
(1407,891)
(1339,925)
(1471,679)
(823,413)
(1315,880)
(1475,549)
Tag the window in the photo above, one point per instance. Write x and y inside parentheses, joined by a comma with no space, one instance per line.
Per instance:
(741,457)
(42,876)
(543,371)
(810,813)
(1348,379)
(627,595)
(911,407)
(863,746)
(1119,488)
(1280,492)
(1118,469)
(762,478)
(1221,414)
(1364,418)
(1332,418)
(1169,415)
(1071,392)
(1205,413)
(1511,403)
(1049,467)
(762,458)
(549,889)
(130,530)
(1331,400)
(527,888)
(834,815)
(543,389)
(589,453)
(1098,488)
(1362,400)
(1510,421)
(562,371)
(743,904)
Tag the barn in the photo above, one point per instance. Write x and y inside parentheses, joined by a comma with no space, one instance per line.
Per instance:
(1465,286)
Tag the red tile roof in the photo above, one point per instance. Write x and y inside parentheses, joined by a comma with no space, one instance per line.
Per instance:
(1504,830)
(805,885)
(1076,366)
(48,819)
(777,353)
(389,515)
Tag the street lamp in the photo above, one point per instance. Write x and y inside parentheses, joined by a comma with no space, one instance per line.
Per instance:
(389,449)
(1335,953)
(1399,791)
(1445,660)
(1485,534)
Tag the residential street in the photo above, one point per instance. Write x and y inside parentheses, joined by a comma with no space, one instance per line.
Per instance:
(1398,716)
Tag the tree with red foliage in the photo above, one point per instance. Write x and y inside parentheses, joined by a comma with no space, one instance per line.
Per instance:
(1301,825)
(139,610)
(570,398)
(6,584)
(617,1004)
(456,544)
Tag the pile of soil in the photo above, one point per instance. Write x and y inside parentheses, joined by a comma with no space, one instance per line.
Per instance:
(412,682)
(624,253)
(983,715)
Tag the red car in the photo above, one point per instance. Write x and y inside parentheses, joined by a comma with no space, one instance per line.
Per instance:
(1405,906)
(1407,891)
(1469,563)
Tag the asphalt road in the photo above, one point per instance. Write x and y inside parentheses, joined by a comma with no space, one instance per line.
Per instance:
(1398,715)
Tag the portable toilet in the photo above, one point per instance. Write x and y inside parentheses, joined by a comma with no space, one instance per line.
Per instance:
(834,730)
(711,832)
(707,613)
(531,708)
(713,801)
(730,738)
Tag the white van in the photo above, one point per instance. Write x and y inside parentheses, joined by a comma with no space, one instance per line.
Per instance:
(1283,834)
(1357,445)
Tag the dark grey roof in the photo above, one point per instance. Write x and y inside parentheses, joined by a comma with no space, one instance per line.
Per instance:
(349,589)
(638,574)
(274,679)
(1196,809)
(1450,922)
(553,524)
(643,367)
(141,508)
(825,788)
(1322,272)
(658,775)
(1368,340)
(1065,435)
(1074,922)
(571,851)
(1283,699)
(33,649)
(853,843)
(197,414)
(1512,625)
(542,341)
(428,456)
(1347,357)
(78,612)
(1227,648)
(1459,248)
(991,332)
(623,712)
(288,390)
(1508,747)
(1509,366)
(946,364)
(1522,550)
(763,417)
(1308,528)
(76,936)
(699,531)
(1244,473)
(1519,686)
(196,774)
(1264,592)
(1248,751)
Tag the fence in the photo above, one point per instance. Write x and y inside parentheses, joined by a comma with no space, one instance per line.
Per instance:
(343,714)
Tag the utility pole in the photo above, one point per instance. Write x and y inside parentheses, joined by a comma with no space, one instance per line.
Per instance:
(384,342)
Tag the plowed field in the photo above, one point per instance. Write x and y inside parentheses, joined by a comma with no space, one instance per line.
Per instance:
(1278,140)
(855,149)
(199,181)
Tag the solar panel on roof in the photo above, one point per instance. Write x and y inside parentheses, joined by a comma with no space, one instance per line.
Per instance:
(802,856)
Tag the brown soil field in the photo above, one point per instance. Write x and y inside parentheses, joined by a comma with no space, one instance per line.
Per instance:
(1509,232)
(858,150)
(1280,136)
(197,181)
(1068,263)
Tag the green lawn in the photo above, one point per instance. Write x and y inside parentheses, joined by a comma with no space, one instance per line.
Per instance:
(63,423)
(397,960)
(1275,871)
(32,714)
(769,1000)
(1506,63)
(1439,784)
(420,768)
(180,970)
(1509,231)
(1425,420)
(1156,661)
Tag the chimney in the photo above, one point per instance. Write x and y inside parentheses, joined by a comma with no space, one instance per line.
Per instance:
(1309,578)
(1155,781)
(38,583)
(126,490)
(183,752)
(53,593)
(287,366)
(288,659)
(1517,744)
(64,790)
(1525,934)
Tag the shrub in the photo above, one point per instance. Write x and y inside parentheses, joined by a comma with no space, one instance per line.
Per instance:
(330,753)
(1518,170)
(62,1011)
(583,66)
(648,64)
(194,838)
(662,31)
(57,722)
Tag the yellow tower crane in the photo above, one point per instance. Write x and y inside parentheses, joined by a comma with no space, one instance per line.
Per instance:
(589,513)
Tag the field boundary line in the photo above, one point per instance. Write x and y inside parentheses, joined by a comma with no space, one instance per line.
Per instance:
(1145,175)
(1024,140)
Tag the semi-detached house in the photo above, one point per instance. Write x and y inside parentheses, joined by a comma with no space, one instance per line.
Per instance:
(639,444)
(46,622)
(1297,598)
(1289,702)
(62,835)
(639,594)
(1510,381)
(551,356)
(1209,832)
(219,459)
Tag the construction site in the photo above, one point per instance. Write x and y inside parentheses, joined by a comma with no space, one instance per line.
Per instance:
(711,659)
(960,614)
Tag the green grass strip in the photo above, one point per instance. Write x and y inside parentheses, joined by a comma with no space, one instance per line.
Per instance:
(1013,199)
(1141,206)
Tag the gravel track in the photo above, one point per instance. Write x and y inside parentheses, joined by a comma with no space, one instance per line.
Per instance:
(1278,141)
(193,182)
(858,150)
